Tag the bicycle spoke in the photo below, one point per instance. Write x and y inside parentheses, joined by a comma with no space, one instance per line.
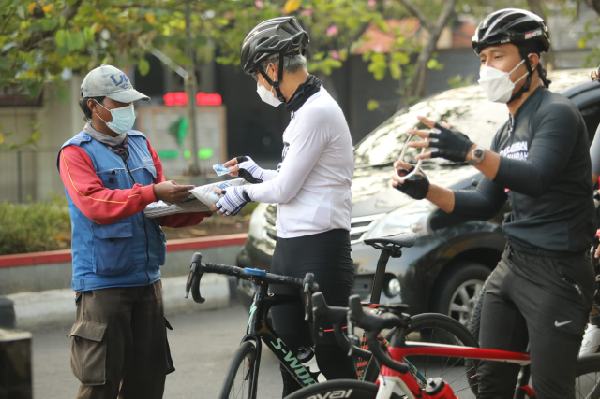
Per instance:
(588,386)
(451,370)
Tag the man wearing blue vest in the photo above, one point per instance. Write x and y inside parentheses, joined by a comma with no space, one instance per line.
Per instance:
(118,342)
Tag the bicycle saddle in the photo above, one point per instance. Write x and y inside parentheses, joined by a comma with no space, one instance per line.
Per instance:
(393,242)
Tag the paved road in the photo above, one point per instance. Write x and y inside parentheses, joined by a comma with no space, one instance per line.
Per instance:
(202,344)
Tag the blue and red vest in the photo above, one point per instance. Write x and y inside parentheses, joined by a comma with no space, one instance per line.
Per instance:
(126,253)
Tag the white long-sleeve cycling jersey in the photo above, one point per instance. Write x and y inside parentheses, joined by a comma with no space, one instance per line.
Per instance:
(313,185)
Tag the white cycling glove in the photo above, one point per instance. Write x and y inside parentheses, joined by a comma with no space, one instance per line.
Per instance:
(233,200)
(249,170)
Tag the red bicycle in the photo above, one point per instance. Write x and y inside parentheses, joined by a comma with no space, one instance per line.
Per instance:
(415,354)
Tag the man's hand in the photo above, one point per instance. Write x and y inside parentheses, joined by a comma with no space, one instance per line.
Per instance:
(246,168)
(416,185)
(443,141)
(233,200)
(171,192)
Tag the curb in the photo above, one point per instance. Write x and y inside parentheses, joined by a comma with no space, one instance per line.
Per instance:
(64,255)
(34,310)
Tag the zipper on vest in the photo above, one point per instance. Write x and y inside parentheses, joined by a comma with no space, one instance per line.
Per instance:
(143,221)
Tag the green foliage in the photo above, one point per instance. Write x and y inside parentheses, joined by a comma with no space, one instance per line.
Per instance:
(372,105)
(434,64)
(590,40)
(8,141)
(34,227)
(45,226)
(41,39)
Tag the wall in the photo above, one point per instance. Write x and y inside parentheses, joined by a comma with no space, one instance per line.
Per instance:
(30,174)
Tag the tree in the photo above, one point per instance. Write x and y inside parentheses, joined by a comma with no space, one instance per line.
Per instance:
(434,31)
(44,40)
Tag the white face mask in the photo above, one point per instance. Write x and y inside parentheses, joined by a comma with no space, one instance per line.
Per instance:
(497,84)
(123,118)
(267,96)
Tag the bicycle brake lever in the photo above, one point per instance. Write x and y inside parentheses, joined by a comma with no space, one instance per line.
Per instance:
(194,277)
(309,286)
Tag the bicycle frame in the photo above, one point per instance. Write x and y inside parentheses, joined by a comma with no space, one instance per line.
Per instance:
(259,331)
(416,384)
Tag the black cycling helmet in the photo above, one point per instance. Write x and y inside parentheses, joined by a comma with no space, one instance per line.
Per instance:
(283,36)
(512,25)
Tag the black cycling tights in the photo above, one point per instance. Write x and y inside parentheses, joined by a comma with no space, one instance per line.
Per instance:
(541,300)
(327,256)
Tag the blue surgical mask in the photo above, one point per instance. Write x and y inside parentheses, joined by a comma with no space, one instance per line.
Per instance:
(123,119)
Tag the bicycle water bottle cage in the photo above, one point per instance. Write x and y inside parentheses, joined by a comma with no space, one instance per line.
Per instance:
(251,271)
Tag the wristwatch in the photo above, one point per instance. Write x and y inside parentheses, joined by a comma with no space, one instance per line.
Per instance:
(477,156)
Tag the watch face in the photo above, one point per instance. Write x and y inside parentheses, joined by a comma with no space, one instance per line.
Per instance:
(478,153)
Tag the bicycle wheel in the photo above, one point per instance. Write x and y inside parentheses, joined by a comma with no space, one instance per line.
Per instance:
(240,382)
(587,384)
(340,388)
(441,329)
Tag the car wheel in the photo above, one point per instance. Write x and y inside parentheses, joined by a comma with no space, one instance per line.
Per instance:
(459,290)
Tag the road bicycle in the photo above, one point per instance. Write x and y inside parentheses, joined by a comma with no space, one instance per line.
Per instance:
(414,349)
(242,378)
(401,375)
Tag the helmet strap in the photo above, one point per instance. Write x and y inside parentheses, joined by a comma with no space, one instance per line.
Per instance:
(275,84)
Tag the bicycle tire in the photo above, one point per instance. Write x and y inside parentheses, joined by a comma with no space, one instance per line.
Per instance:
(242,367)
(439,328)
(587,383)
(339,388)
(425,321)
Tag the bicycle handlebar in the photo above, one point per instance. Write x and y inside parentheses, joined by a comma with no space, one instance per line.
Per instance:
(373,325)
(197,270)
(336,315)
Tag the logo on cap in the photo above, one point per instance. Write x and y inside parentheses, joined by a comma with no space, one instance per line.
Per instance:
(123,81)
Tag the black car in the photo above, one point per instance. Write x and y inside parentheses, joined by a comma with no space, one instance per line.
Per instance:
(446,268)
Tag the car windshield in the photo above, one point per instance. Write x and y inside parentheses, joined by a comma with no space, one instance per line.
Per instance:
(466,109)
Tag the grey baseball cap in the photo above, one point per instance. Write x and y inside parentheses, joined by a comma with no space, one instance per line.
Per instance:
(109,81)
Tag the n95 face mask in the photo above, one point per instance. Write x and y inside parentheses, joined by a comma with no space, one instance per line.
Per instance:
(497,84)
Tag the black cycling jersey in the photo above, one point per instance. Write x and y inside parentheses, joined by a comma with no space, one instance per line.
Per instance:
(545,172)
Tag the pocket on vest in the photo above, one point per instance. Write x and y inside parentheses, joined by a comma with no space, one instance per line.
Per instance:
(112,248)
(146,174)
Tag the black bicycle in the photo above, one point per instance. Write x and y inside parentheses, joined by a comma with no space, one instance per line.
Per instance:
(242,378)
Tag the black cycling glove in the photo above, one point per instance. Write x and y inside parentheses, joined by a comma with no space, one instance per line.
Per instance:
(449,144)
(415,186)
(249,170)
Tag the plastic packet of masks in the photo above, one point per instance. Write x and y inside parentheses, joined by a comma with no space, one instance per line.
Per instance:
(201,199)
(209,194)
